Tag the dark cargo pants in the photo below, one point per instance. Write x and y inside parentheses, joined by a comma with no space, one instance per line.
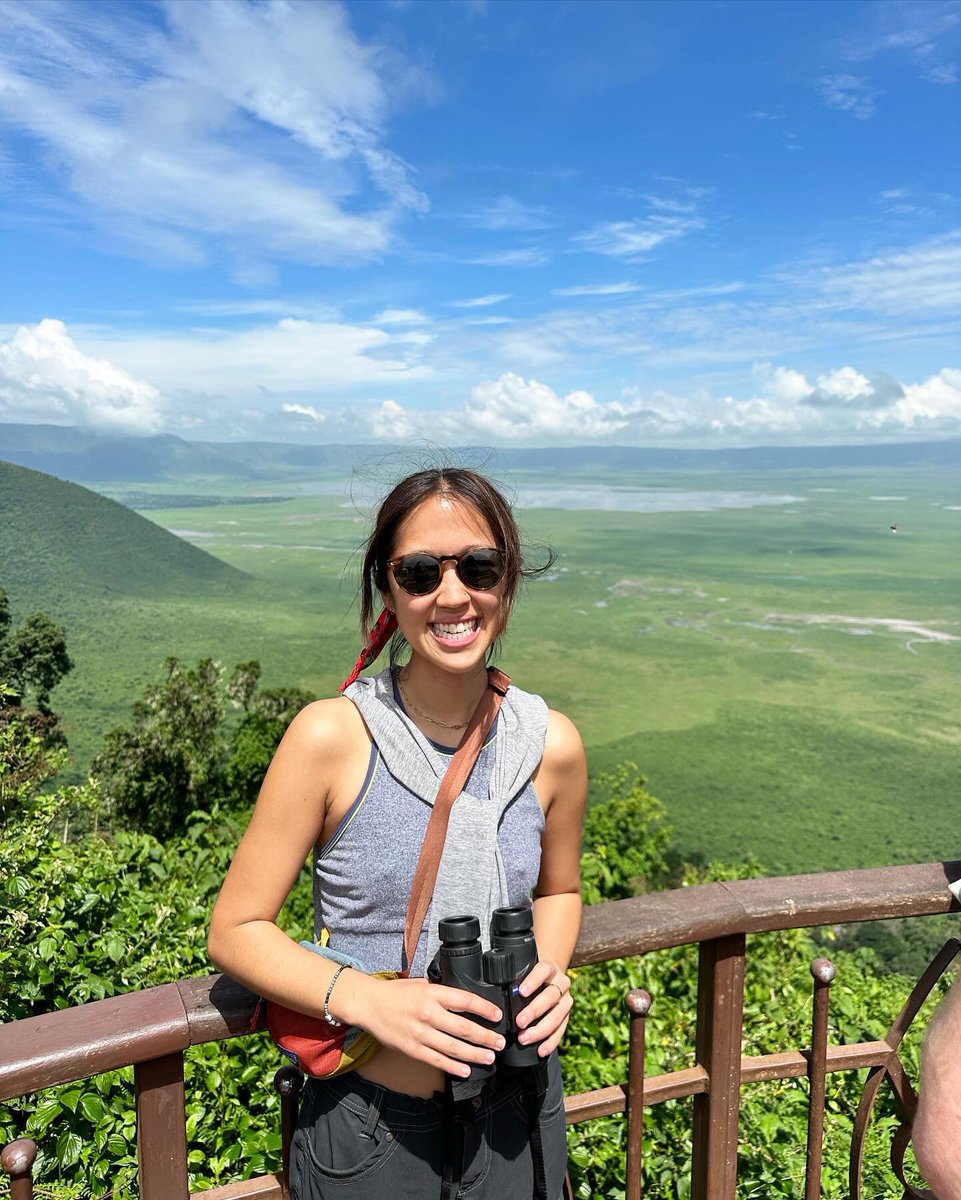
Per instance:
(358,1141)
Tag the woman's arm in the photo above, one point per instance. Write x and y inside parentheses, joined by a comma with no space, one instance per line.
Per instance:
(561,784)
(318,768)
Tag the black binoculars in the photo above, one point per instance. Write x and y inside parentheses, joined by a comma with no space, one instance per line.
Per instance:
(495,974)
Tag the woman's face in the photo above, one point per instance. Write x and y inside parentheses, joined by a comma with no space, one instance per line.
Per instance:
(454,626)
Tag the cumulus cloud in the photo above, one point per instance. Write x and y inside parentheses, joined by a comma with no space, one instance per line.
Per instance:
(843,404)
(227,382)
(782,384)
(45,376)
(932,406)
(215,131)
(515,408)
(508,409)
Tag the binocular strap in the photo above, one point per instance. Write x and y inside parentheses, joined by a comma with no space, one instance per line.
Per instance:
(458,1112)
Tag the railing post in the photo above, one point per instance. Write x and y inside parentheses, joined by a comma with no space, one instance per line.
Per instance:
(288,1081)
(720,1010)
(162,1128)
(638,1005)
(824,972)
(17,1160)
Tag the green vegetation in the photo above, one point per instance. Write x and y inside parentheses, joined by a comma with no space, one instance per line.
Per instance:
(103,913)
(177,753)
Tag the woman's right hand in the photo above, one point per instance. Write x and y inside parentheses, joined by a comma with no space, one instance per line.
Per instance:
(426,1021)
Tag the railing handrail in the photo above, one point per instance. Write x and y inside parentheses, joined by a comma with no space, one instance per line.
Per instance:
(76,1043)
(660,920)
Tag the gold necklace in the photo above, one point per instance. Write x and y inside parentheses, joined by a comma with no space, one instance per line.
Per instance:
(427,717)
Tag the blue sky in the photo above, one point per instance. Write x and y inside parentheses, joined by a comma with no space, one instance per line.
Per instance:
(508,222)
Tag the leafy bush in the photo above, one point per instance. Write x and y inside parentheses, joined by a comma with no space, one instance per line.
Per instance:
(180,751)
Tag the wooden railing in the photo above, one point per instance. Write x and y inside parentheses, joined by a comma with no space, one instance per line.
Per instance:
(150,1030)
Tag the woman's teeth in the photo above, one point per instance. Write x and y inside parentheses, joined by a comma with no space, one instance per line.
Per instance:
(455,629)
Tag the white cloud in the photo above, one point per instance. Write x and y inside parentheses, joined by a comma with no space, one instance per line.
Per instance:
(45,376)
(289,356)
(509,409)
(934,405)
(507,213)
(304,410)
(482,301)
(401,316)
(782,384)
(671,204)
(848,93)
(514,408)
(254,308)
(920,278)
(599,289)
(528,256)
(393,423)
(926,33)
(844,405)
(844,385)
(216,132)
(628,239)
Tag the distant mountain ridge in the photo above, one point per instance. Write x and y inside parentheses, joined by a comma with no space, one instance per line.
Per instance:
(81,456)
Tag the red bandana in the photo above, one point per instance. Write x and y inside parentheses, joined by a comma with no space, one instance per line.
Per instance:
(379,636)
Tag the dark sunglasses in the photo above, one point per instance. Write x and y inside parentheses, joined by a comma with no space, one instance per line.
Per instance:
(420,574)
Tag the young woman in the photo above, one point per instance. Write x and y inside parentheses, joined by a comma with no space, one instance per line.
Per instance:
(352,783)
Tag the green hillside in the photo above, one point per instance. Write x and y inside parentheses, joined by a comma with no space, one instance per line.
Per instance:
(128,592)
(58,539)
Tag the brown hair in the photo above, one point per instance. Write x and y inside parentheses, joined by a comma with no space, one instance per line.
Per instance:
(459,483)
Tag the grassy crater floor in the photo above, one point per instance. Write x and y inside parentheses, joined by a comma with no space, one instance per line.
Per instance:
(786,674)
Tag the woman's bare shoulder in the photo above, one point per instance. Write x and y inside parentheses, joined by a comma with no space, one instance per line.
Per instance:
(326,725)
(563,747)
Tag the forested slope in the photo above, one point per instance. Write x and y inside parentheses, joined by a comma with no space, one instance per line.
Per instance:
(58,539)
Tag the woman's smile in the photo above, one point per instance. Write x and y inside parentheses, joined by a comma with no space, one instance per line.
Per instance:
(456,633)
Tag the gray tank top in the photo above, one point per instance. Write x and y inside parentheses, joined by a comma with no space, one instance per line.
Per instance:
(364,874)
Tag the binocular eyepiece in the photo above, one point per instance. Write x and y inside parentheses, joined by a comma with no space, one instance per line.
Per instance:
(495,974)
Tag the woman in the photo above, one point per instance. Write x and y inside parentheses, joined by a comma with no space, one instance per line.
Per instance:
(348,784)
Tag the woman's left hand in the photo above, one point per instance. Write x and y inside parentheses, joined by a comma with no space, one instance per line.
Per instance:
(545,1018)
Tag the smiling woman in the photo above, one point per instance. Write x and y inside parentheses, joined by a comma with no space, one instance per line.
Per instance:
(462,1089)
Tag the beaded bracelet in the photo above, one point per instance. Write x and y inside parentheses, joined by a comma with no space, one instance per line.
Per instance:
(331,1020)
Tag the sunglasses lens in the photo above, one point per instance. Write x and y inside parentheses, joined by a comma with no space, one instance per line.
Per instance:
(482,569)
(417,574)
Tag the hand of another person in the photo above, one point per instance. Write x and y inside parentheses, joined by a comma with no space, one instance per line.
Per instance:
(545,1018)
(430,1022)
